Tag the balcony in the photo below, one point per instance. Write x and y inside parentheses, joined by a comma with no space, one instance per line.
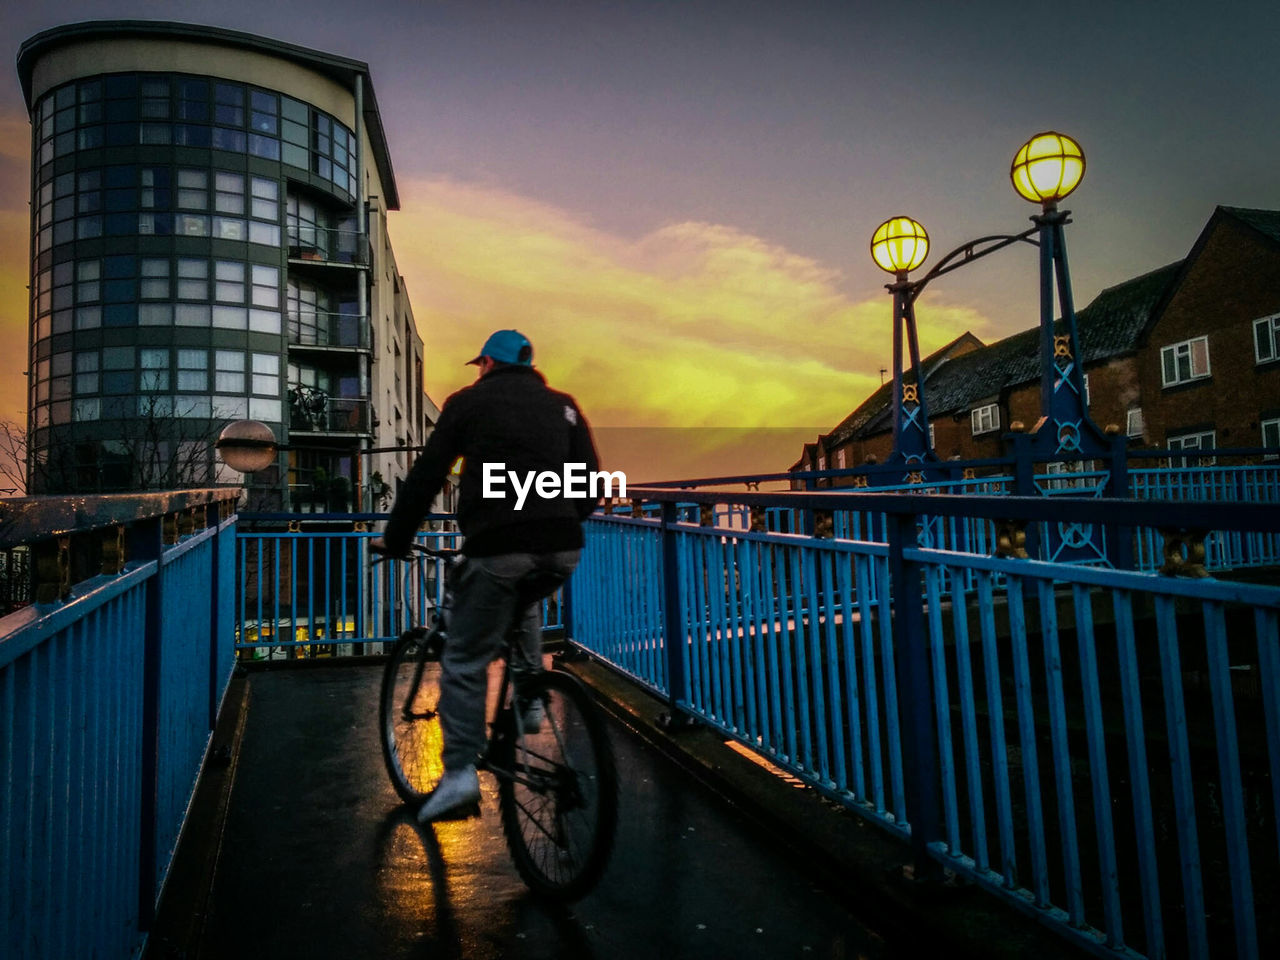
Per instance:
(313,411)
(322,330)
(309,243)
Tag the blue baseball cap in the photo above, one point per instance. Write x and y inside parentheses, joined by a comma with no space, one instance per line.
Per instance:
(506,346)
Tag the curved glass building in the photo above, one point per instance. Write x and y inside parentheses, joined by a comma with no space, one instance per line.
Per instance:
(208,243)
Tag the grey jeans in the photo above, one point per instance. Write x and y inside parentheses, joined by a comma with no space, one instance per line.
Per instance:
(484,610)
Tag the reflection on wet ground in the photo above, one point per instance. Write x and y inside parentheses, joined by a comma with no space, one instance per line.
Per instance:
(319,859)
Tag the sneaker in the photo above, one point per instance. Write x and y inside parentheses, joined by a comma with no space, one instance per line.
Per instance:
(530,715)
(456,797)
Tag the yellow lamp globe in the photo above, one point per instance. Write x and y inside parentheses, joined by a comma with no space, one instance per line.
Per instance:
(1047,168)
(899,245)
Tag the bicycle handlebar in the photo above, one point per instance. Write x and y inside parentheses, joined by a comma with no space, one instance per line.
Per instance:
(416,547)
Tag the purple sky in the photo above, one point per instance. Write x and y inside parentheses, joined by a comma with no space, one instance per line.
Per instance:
(677,137)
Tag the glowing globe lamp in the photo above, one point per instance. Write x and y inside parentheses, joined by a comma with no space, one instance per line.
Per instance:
(1047,168)
(899,245)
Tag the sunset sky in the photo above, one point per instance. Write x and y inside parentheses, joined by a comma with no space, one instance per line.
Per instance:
(674,199)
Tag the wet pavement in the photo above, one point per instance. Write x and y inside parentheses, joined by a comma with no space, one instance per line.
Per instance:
(318,858)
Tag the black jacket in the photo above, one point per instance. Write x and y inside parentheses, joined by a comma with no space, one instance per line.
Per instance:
(510,416)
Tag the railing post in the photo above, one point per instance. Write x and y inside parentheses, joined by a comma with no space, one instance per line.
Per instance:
(806,515)
(673,632)
(1024,483)
(915,686)
(1121,547)
(147,544)
(566,609)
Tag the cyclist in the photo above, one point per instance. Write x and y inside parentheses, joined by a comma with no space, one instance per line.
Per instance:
(510,419)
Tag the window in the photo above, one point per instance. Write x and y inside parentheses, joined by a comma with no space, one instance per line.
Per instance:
(1271,438)
(1060,475)
(1133,425)
(193,370)
(229,371)
(984,419)
(1266,338)
(1185,361)
(85,409)
(266,374)
(193,102)
(155,314)
(229,281)
(155,280)
(265,111)
(228,108)
(154,372)
(266,286)
(188,225)
(840,459)
(231,318)
(154,194)
(1202,440)
(1085,380)
(86,372)
(193,189)
(229,193)
(266,199)
(193,279)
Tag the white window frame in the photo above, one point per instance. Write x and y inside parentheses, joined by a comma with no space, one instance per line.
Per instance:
(1273,324)
(1064,474)
(1177,352)
(1131,415)
(1272,427)
(984,419)
(1200,437)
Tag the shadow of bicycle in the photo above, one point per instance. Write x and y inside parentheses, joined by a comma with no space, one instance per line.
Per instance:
(475,916)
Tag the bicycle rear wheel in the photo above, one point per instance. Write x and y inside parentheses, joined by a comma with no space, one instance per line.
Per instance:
(409,719)
(557,788)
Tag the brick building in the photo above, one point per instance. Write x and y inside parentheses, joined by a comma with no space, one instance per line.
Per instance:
(1186,356)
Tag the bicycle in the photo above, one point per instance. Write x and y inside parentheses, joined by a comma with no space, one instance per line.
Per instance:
(547,747)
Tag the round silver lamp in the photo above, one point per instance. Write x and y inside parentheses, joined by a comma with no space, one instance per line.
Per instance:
(247,446)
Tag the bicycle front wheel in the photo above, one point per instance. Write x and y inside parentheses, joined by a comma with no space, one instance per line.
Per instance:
(409,718)
(557,787)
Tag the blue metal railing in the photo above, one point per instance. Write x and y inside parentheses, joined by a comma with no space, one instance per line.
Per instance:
(108,697)
(1097,747)
(310,587)
(1257,483)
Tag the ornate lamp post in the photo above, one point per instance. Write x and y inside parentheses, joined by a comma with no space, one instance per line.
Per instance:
(898,246)
(1046,169)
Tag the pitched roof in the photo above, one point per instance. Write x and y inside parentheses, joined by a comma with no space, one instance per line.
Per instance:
(879,401)
(1107,327)
(1266,222)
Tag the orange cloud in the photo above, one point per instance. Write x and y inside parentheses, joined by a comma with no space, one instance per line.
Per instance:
(15,233)
(694,325)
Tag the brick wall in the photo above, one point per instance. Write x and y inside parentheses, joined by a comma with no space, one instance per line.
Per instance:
(1234,280)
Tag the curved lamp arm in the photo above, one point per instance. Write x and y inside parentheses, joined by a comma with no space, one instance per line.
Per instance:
(968,252)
